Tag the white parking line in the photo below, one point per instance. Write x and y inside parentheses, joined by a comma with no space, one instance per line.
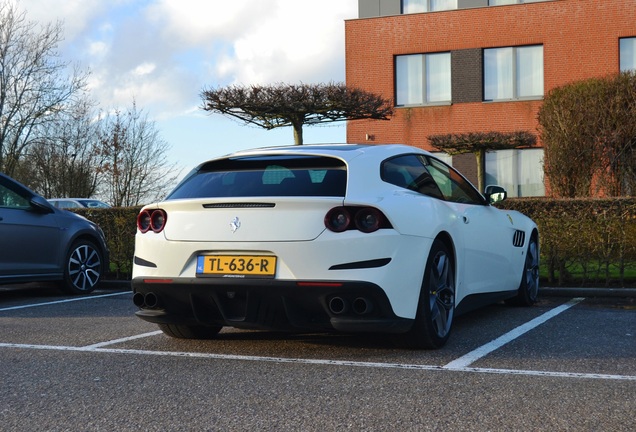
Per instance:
(459,365)
(473,356)
(74,299)
(126,339)
(324,362)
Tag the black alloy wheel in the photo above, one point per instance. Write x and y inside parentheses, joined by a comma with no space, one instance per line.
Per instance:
(529,287)
(436,306)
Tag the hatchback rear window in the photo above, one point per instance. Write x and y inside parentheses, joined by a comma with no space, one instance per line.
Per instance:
(265,176)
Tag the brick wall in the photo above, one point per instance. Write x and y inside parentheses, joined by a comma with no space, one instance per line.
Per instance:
(579,38)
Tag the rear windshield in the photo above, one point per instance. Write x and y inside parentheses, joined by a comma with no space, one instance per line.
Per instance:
(265,176)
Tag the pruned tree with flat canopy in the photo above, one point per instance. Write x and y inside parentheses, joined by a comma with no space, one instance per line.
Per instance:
(479,143)
(295,105)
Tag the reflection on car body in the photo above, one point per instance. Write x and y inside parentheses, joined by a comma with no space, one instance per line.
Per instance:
(73,203)
(354,238)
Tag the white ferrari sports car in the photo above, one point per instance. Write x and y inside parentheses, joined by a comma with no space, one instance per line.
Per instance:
(348,238)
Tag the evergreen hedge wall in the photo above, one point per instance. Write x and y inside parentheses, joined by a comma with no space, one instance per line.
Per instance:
(583,241)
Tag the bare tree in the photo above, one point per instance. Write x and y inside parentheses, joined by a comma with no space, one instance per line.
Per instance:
(282,105)
(63,160)
(479,143)
(134,169)
(34,85)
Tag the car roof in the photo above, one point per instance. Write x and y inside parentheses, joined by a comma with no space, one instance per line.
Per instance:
(339,149)
(346,152)
(71,199)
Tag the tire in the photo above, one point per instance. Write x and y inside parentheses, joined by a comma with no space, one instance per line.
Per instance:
(436,306)
(529,286)
(83,268)
(180,331)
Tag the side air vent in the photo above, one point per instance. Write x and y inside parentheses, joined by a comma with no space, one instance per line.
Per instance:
(519,238)
(238,205)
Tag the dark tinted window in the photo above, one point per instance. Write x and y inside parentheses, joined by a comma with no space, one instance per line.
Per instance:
(431,177)
(11,198)
(265,176)
(410,172)
(453,186)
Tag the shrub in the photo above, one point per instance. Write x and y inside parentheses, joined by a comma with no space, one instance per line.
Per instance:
(582,241)
(119,225)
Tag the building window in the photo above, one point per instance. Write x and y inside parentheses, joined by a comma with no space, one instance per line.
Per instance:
(628,54)
(422,79)
(520,172)
(513,73)
(507,2)
(416,6)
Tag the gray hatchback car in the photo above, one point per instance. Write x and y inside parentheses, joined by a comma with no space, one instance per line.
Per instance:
(39,242)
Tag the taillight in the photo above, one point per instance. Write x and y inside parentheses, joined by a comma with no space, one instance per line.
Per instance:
(368,219)
(154,220)
(364,219)
(338,219)
(143,221)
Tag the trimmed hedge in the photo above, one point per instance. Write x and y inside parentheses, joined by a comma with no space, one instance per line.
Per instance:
(583,241)
(120,226)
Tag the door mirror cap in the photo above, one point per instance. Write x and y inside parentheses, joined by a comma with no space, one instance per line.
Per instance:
(41,205)
(495,194)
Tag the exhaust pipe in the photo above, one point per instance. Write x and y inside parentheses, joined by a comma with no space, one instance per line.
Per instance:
(149,300)
(138,299)
(338,305)
(362,306)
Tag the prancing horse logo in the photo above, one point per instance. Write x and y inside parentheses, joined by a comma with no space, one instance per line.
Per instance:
(235,224)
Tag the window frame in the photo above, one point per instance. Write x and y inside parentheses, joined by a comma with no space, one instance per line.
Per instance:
(515,58)
(514,2)
(632,67)
(426,7)
(423,81)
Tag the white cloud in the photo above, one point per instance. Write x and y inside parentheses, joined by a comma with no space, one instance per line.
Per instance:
(196,43)
(201,21)
(162,53)
(98,49)
(144,69)
(75,15)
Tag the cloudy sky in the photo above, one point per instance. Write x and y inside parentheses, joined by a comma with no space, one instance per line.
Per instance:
(162,53)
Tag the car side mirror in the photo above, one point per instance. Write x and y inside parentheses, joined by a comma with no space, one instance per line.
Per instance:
(40,205)
(495,194)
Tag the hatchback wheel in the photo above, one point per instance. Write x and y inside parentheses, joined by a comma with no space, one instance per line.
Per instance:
(436,306)
(82,268)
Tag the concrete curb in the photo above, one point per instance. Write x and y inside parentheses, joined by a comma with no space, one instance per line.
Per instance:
(112,284)
(587,292)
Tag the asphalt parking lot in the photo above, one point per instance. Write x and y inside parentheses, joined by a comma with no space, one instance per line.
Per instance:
(87,363)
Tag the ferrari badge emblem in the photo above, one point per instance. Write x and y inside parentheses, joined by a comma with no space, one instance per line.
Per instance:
(235,224)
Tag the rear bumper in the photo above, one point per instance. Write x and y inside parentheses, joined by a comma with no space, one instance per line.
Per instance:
(281,305)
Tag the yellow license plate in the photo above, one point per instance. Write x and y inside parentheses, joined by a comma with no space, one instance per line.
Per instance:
(236,266)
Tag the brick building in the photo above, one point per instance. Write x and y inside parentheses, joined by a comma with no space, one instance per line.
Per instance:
(454,66)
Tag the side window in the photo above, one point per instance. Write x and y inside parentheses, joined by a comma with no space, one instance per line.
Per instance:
(409,172)
(453,186)
(10,199)
(67,205)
